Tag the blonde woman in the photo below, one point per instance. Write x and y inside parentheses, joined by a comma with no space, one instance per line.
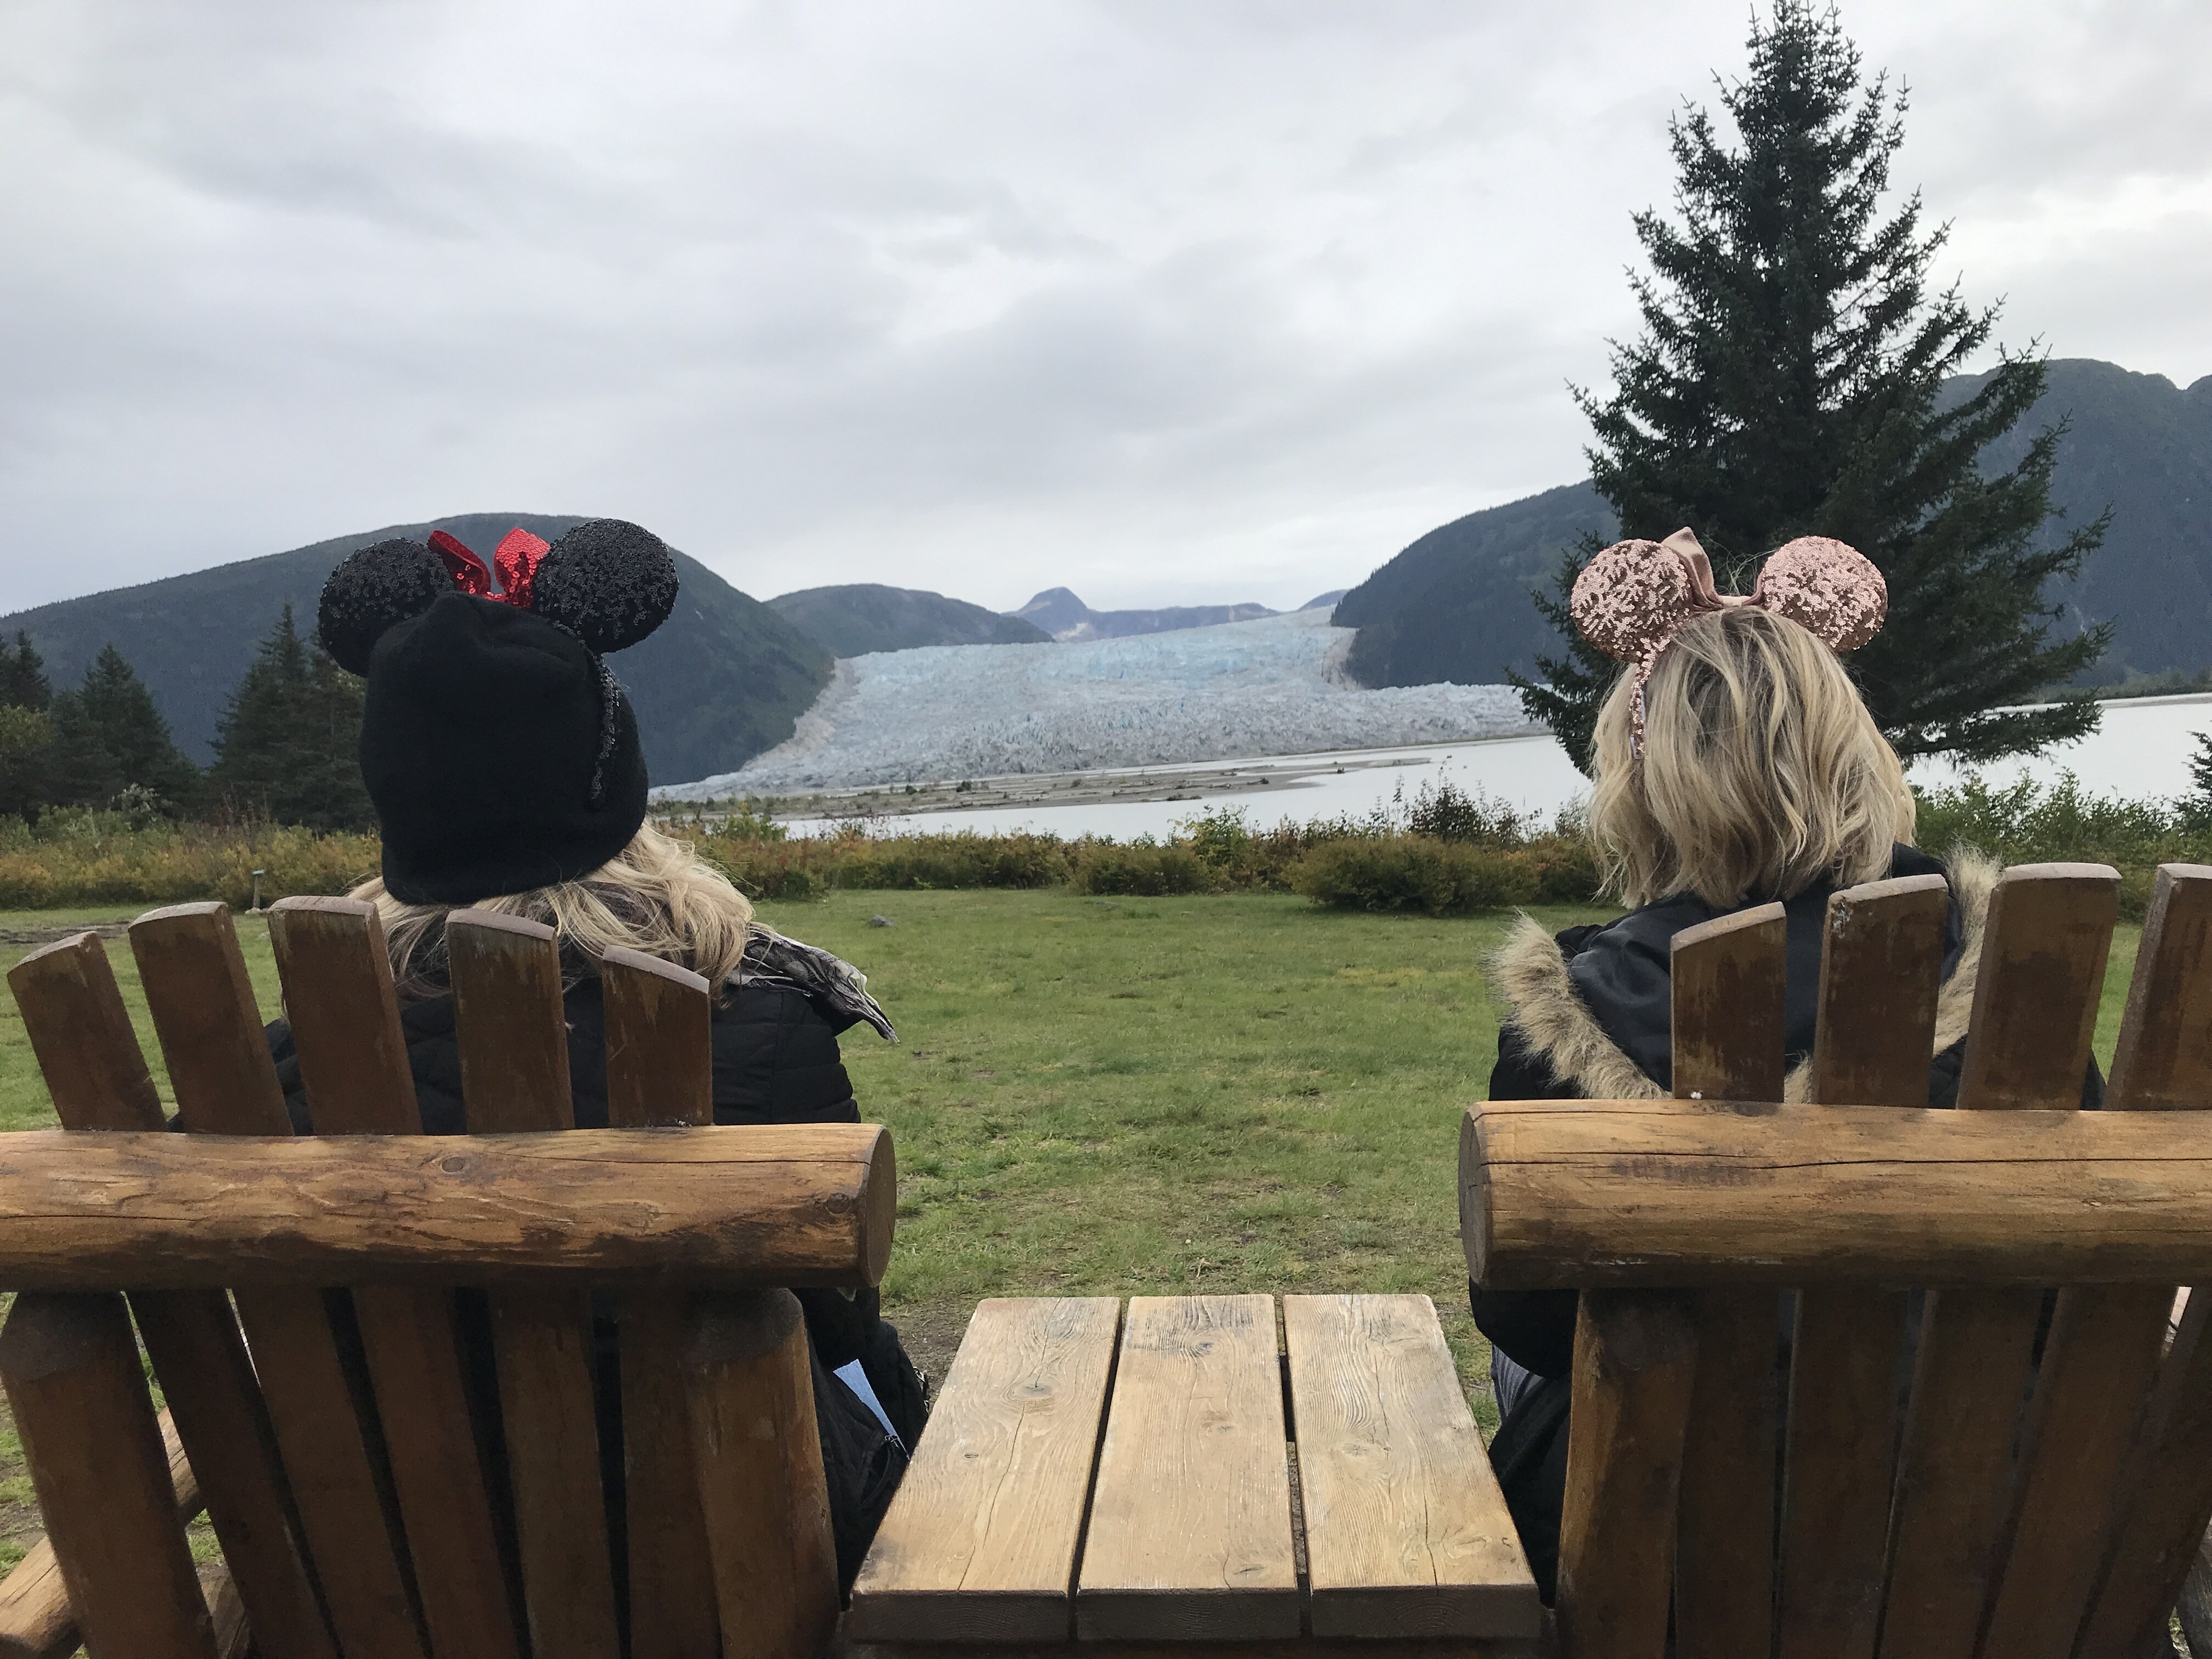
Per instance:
(1735,764)
(503,761)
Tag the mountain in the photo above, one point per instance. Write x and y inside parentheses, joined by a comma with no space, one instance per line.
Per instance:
(1454,604)
(1064,616)
(1320,599)
(722,679)
(865,616)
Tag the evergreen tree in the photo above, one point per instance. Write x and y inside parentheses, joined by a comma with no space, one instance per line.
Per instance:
(80,770)
(288,743)
(26,742)
(23,676)
(1786,384)
(109,737)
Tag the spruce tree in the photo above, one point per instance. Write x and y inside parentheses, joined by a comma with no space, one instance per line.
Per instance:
(23,676)
(113,711)
(288,745)
(1788,382)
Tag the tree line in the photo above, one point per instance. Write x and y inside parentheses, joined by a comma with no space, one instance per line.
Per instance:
(287,748)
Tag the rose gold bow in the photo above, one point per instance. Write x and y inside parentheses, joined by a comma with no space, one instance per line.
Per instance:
(1631,600)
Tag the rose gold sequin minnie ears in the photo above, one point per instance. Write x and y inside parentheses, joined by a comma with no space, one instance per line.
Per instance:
(1631,599)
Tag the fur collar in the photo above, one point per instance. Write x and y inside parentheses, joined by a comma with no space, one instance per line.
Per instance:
(1531,974)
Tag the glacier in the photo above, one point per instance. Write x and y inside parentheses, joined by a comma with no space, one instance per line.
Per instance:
(1272,686)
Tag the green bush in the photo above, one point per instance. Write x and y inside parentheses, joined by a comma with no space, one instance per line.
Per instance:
(1144,868)
(1414,872)
(77,857)
(2029,823)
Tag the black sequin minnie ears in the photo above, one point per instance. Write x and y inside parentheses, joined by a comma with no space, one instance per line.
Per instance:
(607,582)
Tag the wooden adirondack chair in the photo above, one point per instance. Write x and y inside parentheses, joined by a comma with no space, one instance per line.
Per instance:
(296,1301)
(2011,1502)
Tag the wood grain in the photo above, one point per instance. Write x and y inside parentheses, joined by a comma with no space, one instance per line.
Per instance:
(1729,1032)
(784,1204)
(344,1016)
(661,1056)
(81,1404)
(1304,1647)
(97,1074)
(1644,1192)
(1635,1357)
(2042,969)
(36,1619)
(200,1359)
(2101,1360)
(660,1074)
(353,1060)
(979,1543)
(1406,1532)
(81,1035)
(1880,962)
(1190,1517)
(512,1033)
(761,1489)
(203,1011)
(2167,1500)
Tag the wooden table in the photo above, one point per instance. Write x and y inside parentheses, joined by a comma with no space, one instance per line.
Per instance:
(1194,1475)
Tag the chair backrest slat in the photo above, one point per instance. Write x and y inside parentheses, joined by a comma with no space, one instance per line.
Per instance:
(2042,968)
(1729,1032)
(1636,1356)
(345,1017)
(2142,1528)
(331,956)
(201,999)
(1881,952)
(660,1074)
(763,1494)
(515,1078)
(80,1031)
(96,1461)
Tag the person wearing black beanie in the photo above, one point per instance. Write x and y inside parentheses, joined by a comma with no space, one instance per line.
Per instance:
(503,760)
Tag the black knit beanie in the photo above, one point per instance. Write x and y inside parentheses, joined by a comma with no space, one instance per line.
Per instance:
(498,750)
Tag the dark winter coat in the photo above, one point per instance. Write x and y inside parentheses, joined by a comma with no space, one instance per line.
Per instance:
(1592,1020)
(776,1060)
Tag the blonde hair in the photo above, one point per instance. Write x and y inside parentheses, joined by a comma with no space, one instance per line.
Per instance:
(1762,771)
(657,895)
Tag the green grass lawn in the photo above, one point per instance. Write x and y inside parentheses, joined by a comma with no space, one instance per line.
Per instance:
(1127,1096)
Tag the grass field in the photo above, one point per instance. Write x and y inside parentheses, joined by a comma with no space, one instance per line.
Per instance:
(1125,1097)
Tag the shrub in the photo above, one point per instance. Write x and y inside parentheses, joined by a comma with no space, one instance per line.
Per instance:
(1414,872)
(77,857)
(1144,868)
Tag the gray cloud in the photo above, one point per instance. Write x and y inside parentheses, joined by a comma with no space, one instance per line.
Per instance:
(1165,303)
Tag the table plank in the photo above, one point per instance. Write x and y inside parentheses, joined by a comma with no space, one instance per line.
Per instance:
(1190,1519)
(1406,1532)
(979,1543)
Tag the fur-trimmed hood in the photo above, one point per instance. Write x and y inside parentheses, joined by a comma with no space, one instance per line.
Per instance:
(1531,974)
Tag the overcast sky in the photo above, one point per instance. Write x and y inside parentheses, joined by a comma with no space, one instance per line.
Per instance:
(1195,300)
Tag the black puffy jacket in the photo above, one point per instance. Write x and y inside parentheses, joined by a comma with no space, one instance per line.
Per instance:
(776,1060)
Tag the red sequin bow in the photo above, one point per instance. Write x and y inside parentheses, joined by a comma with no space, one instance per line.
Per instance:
(516,559)
(1631,599)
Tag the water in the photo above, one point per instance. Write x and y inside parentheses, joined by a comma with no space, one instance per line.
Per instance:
(2142,751)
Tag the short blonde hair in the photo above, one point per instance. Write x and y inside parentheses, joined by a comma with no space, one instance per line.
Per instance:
(1762,771)
(657,895)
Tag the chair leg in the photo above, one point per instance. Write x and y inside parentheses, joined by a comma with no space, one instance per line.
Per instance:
(71,1367)
(762,1491)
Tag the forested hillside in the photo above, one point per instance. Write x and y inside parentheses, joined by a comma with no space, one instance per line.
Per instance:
(724,679)
(861,618)
(1454,605)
